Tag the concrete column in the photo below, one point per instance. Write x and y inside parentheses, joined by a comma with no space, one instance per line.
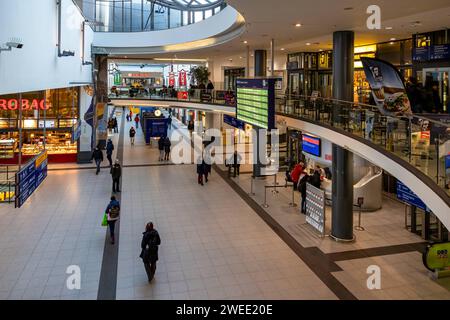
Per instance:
(260,63)
(342,193)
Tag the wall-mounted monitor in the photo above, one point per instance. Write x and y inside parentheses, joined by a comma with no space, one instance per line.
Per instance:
(312,145)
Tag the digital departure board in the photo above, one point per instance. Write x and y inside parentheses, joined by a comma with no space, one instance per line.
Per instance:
(256,102)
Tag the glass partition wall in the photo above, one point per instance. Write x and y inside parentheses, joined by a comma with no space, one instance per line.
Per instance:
(146,15)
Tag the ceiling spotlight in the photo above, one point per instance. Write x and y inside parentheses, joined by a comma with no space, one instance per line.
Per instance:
(388,28)
(245,41)
(308,43)
(393,39)
(282,49)
(298,25)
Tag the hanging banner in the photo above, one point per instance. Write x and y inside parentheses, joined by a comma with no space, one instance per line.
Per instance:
(171,79)
(387,87)
(182,78)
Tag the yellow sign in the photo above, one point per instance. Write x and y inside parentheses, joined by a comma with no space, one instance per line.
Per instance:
(364,49)
(41,159)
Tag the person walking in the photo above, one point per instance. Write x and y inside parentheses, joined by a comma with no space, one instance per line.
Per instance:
(169,122)
(206,170)
(112,213)
(132,135)
(200,171)
(161,148)
(167,147)
(116,125)
(236,163)
(116,173)
(97,156)
(136,119)
(149,250)
(109,151)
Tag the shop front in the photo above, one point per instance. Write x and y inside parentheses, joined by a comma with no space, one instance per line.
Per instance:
(43,120)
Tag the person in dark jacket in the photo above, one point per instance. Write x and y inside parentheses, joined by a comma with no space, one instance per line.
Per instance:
(161,148)
(109,151)
(169,122)
(236,163)
(112,211)
(116,173)
(210,85)
(302,188)
(97,156)
(149,253)
(200,171)
(206,170)
(167,146)
(132,135)
(316,179)
(116,125)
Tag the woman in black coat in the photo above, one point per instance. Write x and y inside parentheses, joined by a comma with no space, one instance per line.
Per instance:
(149,253)
(200,171)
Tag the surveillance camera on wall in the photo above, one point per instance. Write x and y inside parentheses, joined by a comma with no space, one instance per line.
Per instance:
(14,44)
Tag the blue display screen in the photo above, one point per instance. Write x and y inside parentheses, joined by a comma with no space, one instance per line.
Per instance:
(312,145)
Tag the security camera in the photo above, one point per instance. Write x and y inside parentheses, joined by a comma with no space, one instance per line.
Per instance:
(14,44)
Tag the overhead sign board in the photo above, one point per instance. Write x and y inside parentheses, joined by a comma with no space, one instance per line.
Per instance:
(256,102)
(406,195)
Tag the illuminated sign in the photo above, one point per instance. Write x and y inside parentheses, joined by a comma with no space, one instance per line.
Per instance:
(312,145)
(256,102)
(35,104)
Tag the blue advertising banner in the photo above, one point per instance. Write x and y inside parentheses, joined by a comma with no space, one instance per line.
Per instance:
(406,195)
(447,161)
(30,177)
(232,121)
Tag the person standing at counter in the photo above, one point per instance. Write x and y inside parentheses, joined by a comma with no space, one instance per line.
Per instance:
(302,188)
(97,156)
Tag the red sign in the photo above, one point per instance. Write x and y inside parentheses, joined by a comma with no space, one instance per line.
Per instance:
(182,78)
(171,79)
(13,104)
(183,95)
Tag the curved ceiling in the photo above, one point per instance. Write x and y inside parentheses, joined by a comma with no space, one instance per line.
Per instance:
(190,4)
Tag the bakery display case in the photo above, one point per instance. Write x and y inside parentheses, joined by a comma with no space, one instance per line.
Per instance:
(7,147)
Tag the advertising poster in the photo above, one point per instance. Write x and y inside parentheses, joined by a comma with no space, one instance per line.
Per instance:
(182,78)
(387,87)
(171,79)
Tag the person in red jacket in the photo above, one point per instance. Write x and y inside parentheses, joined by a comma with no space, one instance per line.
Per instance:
(294,175)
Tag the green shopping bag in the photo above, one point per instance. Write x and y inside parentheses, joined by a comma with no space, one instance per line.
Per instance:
(105,220)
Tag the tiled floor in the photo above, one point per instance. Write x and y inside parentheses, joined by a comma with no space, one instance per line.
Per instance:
(214,246)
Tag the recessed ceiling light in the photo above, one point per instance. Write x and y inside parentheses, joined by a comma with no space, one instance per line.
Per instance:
(393,39)
(240,57)
(308,43)
(245,41)
(282,49)
(298,25)
(320,50)
(389,28)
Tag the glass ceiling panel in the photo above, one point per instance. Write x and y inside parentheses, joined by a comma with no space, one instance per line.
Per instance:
(190,4)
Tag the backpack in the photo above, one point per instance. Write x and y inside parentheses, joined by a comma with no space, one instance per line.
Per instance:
(114,212)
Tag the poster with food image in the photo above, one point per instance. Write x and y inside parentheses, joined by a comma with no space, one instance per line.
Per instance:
(387,87)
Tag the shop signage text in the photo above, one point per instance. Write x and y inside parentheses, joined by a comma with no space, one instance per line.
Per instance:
(13,104)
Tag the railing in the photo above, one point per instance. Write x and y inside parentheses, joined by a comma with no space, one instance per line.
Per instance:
(7,183)
(193,95)
(419,140)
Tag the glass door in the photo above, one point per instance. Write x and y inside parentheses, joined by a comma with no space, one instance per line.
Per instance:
(436,80)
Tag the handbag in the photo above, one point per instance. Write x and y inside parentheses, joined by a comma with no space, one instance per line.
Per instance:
(105,220)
